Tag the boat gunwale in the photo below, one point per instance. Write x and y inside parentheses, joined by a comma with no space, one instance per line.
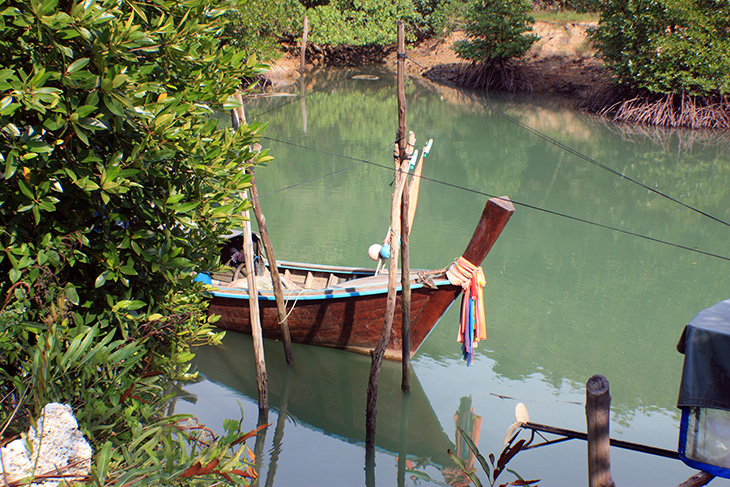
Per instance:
(345,289)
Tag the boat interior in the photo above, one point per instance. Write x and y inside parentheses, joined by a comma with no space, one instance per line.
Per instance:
(300,276)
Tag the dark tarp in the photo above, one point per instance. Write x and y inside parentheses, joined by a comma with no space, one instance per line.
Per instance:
(705,343)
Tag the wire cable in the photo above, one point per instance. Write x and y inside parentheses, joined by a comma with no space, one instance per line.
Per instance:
(586,158)
(488,195)
(360,162)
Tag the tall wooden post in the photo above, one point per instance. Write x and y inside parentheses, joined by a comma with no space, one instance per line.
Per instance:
(256,333)
(303,47)
(275,277)
(238,117)
(405,223)
(377,354)
(598,415)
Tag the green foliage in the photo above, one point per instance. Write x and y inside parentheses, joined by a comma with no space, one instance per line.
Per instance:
(441,16)
(191,455)
(667,46)
(360,22)
(565,16)
(256,25)
(492,468)
(497,31)
(117,183)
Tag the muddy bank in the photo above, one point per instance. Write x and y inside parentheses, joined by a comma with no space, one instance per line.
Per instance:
(561,63)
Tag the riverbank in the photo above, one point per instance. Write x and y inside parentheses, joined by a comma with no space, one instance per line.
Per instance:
(562,62)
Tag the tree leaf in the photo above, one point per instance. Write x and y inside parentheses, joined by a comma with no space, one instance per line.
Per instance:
(76,65)
(100,280)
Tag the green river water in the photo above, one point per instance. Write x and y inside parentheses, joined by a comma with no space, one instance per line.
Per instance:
(580,282)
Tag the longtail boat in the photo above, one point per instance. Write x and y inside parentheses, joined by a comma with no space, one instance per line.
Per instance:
(343,307)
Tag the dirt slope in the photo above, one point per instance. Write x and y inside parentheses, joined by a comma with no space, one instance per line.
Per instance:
(560,63)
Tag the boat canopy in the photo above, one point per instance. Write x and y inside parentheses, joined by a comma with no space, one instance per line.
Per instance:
(705,343)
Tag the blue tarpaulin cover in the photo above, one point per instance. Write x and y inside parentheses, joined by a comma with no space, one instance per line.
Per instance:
(705,343)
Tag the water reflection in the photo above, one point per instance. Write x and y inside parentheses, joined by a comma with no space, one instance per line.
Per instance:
(324,390)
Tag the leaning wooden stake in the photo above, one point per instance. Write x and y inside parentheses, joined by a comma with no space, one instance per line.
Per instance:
(598,411)
(401,167)
(275,277)
(253,299)
(238,117)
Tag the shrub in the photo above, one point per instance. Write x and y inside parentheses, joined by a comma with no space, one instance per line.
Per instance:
(496,31)
(256,26)
(666,46)
(117,183)
(360,22)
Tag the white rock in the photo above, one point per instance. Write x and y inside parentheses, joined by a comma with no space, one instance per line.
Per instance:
(58,448)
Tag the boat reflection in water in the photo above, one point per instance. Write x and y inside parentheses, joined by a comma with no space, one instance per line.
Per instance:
(325,390)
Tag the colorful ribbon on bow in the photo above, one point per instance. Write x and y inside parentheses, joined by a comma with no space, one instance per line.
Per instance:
(473,324)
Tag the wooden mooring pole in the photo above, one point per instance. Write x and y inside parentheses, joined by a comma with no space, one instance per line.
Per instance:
(377,354)
(303,47)
(238,117)
(405,227)
(256,333)
(598,415)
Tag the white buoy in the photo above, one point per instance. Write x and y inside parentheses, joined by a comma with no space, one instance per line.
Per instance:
(374,251)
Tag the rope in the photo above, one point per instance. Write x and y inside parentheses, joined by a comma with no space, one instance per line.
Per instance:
(294,304)
(472,324)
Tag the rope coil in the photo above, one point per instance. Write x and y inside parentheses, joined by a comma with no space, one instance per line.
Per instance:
(472,324)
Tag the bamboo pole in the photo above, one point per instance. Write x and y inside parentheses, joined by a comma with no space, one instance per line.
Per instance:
(401,166)
(598,410)
(274,270)
(578,435)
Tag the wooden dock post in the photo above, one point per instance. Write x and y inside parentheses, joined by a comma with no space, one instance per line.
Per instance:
(598,415)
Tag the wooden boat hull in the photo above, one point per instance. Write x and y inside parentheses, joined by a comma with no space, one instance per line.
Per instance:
(351,322)
(347,310)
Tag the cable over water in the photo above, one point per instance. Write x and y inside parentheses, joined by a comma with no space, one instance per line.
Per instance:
(545,137)
(590,160)
(481,193)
